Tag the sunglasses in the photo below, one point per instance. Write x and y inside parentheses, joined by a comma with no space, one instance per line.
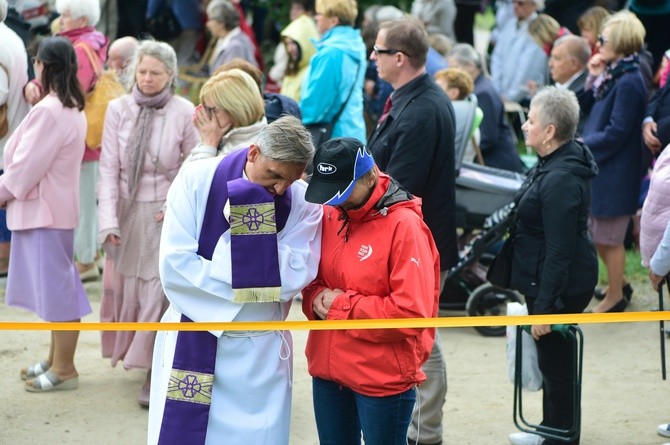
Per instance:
(379,51)
(601,40)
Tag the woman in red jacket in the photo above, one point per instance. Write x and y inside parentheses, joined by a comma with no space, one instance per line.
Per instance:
(378,261)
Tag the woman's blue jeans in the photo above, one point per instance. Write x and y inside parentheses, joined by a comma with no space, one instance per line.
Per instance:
(342,414)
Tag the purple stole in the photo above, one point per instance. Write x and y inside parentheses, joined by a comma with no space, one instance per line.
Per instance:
(189,391)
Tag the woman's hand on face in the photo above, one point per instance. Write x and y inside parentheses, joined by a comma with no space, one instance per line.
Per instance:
(538,330)
(113,240)
(208,126)
(596,64)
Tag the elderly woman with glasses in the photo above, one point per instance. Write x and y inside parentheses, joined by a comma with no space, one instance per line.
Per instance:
(613,132)
(230,115)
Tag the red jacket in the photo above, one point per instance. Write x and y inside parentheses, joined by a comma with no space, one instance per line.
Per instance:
(384,257)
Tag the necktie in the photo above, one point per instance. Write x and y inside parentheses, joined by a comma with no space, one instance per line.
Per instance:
(386,111)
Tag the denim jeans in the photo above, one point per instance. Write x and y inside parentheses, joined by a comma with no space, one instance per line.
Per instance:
(342,414)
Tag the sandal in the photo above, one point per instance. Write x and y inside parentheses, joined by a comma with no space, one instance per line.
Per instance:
(48,381)
(30,372)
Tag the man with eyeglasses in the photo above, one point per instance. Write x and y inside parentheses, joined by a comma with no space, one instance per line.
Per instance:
(414,143)
(516,58)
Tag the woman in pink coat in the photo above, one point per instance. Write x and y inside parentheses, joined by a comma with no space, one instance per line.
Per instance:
(147,134)
(40,187)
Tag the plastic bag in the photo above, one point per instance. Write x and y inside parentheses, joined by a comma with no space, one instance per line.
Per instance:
(531,376)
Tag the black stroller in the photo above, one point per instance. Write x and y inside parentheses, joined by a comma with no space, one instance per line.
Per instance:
(483,199)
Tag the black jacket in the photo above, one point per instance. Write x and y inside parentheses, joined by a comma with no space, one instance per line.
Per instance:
(415,146)
(553,255)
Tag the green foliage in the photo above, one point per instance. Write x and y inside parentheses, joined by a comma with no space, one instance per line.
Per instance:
(485,21)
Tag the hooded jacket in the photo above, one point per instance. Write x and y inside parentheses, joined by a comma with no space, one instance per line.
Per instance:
(553,255)
(330,77)
(302,31)
(383,257)
(86,72)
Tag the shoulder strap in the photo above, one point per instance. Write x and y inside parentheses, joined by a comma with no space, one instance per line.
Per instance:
(92,57)
(337,116)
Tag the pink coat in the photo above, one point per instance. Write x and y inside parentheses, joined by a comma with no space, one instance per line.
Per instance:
(86,74)
(173,136)
(656,208)
(42,163)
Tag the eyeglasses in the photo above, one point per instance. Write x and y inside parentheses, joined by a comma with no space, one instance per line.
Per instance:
(601,40)
(379,51)
(211,111)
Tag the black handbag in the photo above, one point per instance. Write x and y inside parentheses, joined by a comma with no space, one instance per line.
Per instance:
(164,26)
(323,131)
(499,273)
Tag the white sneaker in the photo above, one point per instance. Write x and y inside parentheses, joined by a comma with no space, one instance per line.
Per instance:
(525,439)
(664,429)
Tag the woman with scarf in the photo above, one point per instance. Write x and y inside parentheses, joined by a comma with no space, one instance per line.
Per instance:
(612,131)
(147,135)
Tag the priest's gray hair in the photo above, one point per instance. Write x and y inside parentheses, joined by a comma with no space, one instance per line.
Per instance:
(558,107)
(286,140)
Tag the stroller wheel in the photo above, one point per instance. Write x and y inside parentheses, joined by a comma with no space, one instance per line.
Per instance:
(490,300)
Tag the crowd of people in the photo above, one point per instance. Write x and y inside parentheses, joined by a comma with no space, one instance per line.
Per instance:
(222,207)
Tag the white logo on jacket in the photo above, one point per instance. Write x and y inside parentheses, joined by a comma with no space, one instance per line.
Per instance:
(414,260)
(364,252)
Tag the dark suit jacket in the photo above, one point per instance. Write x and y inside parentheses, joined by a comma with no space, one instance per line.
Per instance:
(496,142)
(578,88)
(415,146)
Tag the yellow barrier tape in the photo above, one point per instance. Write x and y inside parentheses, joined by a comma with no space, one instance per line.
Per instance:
(320,325)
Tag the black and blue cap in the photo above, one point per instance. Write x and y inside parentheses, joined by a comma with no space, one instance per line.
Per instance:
(338,164)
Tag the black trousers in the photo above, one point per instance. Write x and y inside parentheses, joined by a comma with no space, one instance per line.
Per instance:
(465,21)
(555,357)
(131,17)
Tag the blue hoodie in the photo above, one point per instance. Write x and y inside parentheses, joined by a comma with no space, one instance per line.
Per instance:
(328,81)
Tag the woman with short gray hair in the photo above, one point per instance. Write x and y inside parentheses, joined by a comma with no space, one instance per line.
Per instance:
(224,25)
(147,135)
(554,263)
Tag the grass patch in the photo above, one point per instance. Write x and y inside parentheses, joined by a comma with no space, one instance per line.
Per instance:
(634,272)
